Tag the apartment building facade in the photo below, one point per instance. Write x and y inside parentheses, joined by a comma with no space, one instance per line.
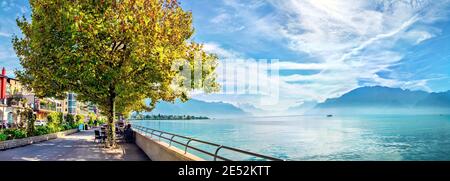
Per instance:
(14,97)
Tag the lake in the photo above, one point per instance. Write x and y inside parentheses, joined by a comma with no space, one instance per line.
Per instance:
(381,137)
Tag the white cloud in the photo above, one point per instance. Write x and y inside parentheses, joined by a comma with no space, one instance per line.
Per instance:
(221,18)
(7,53)
(287,65)
(4,34)
(223,53)
(353,40)
(418,36)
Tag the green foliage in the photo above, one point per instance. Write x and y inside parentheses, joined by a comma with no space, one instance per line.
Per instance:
(79,119)
(31,120)
(101,121)
(65,127)
(54,118)
(39,130)
(42,130)
(92,117)
(20,133)
(74,126)
(3,136)
(61,117)
(54,122)
(15,133)
(91,122)
(54,128)
(70,119)
(114,54)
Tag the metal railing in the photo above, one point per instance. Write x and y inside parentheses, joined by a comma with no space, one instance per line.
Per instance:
(171,138)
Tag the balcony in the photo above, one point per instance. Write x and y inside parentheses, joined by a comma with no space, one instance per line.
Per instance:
(46,106)
(16,100)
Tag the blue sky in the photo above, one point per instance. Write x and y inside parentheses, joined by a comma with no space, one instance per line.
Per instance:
(9,11)
(326,47)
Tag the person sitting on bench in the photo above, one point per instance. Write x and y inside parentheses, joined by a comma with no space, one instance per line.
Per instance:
(128,134)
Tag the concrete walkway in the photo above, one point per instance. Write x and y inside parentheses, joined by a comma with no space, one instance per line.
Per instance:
(76,147)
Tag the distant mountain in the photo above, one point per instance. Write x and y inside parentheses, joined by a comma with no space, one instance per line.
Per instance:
(302,108)
(386,100)
(195,107)
(436,100)
(376,96)
(252,109)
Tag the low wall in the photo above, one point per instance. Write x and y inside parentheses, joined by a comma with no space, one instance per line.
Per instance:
(8,144)
(160,151)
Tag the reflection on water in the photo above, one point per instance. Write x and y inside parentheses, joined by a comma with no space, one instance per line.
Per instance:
(322,138)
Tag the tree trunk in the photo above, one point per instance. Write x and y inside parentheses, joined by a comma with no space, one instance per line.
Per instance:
(111,130)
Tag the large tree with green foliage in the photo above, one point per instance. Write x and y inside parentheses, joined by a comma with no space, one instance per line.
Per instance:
(114,54)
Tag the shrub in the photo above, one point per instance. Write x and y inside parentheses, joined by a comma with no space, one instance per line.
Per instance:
(29,116)
(71,120)
(54,122)
(53,118)
(3,137)
(60,117)
(101,121)
(92,117)
(54,128)
(79,119)
(74,126)
(42,130)
(20,133)
(15,133)
(91,122)
(66,127)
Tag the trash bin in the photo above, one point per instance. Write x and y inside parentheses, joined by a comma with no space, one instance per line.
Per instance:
(80,127)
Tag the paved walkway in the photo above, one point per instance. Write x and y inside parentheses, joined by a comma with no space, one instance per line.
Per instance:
(75,147)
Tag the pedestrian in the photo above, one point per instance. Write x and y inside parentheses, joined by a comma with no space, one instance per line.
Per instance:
(128,134)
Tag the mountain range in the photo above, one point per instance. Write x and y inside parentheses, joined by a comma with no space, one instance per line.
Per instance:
(379,100)
(364,100)
(195,107)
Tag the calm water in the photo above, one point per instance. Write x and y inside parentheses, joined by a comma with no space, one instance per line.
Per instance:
(321,138)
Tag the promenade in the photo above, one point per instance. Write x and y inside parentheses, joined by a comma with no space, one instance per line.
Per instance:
(76,147)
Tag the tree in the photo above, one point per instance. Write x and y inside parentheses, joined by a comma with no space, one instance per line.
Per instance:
(54,122)
(79,119)
(92,118)
(28,116)
(114,54)
(71,121)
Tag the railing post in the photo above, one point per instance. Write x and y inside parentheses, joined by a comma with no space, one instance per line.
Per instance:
(151,134)
(170,143)
(160,135)
(217,151)
(187,144)
(145,131)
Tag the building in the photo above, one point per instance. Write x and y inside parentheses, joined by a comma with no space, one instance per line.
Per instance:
(3,106)
(75,107)
(15,97)
(43,107)
(71,103)
(12,100)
